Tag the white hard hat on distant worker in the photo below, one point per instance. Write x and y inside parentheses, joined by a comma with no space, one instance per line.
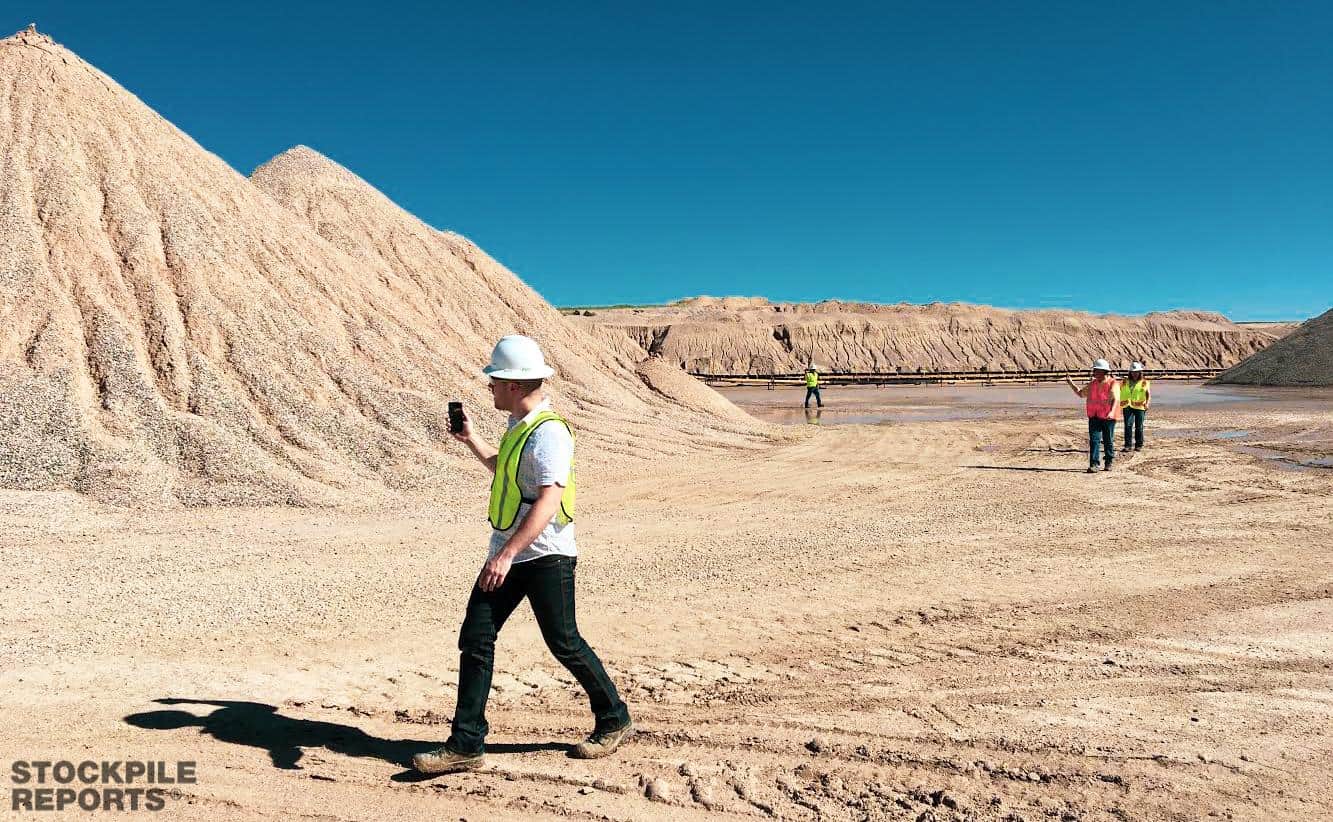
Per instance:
(1136,366)
(1101,365)
(517,357)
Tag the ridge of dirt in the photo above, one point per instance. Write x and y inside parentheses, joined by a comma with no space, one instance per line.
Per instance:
(750,335)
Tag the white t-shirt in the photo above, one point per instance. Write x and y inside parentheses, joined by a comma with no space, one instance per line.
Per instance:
(547,459)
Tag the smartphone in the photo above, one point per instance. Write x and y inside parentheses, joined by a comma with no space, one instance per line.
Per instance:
(455,417)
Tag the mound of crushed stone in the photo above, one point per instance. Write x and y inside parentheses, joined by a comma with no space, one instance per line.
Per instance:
(1303,357)
(671,382)
(174,334)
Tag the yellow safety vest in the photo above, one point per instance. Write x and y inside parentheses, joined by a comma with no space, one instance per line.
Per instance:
(1134,394)
(505,494)
(811,379)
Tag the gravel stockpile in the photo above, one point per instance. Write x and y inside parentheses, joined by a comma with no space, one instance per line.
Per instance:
(673,383)
(1303,357)
(174,335)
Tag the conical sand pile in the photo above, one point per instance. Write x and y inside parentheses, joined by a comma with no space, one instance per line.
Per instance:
(172,333)
(1303,357)
(457,288)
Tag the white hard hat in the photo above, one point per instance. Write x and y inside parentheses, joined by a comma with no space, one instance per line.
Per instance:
(1101,365)
(1136,366)
(517,357)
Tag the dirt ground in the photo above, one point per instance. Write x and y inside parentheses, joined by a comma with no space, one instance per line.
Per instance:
(925,619)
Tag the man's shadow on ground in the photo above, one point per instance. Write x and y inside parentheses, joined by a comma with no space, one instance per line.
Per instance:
(257,725)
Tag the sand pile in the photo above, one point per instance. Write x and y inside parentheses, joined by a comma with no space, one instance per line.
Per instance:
(172,333)
(671,382)
(753,336)
(1303,357)
(462,291)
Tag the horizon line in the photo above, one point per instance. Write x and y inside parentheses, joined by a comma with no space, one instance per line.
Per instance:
(679,301)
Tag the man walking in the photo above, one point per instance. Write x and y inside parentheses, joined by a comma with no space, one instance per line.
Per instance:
(812,386)
(1103,407)
(532,555)
(1135,394)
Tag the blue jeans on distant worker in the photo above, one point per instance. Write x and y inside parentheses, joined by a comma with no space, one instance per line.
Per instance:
(1101,434)
(813,392)
(1134,418)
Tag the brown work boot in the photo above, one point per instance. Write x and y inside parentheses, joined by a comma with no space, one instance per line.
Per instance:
(601,744)
(443,760)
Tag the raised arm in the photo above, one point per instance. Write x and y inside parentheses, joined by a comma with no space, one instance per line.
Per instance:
(481,449)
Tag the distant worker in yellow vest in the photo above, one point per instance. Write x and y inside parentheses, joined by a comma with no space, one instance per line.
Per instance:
(532,556)
(1135,395)
(1103,407)
(812,386)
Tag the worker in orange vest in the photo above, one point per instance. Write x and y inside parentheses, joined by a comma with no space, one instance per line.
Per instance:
(1103,407)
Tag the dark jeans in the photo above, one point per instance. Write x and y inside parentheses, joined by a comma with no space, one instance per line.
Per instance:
(813,392)
(1101,434)
(548,584)
(1134,418)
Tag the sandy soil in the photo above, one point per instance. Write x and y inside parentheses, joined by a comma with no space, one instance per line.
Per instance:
(931,619)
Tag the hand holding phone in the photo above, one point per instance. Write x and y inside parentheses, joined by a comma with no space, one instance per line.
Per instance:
(457,419)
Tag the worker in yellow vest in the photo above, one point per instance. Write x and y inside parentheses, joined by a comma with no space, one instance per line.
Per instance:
(1135,395)
(1103,407)
(532,556)
(812,386)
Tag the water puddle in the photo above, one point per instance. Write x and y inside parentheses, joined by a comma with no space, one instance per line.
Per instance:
(880,405)
(1282,459)
(897,405)
(865,416)
(1205,434)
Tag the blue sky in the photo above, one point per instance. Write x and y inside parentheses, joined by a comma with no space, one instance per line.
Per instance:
(1112,157)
